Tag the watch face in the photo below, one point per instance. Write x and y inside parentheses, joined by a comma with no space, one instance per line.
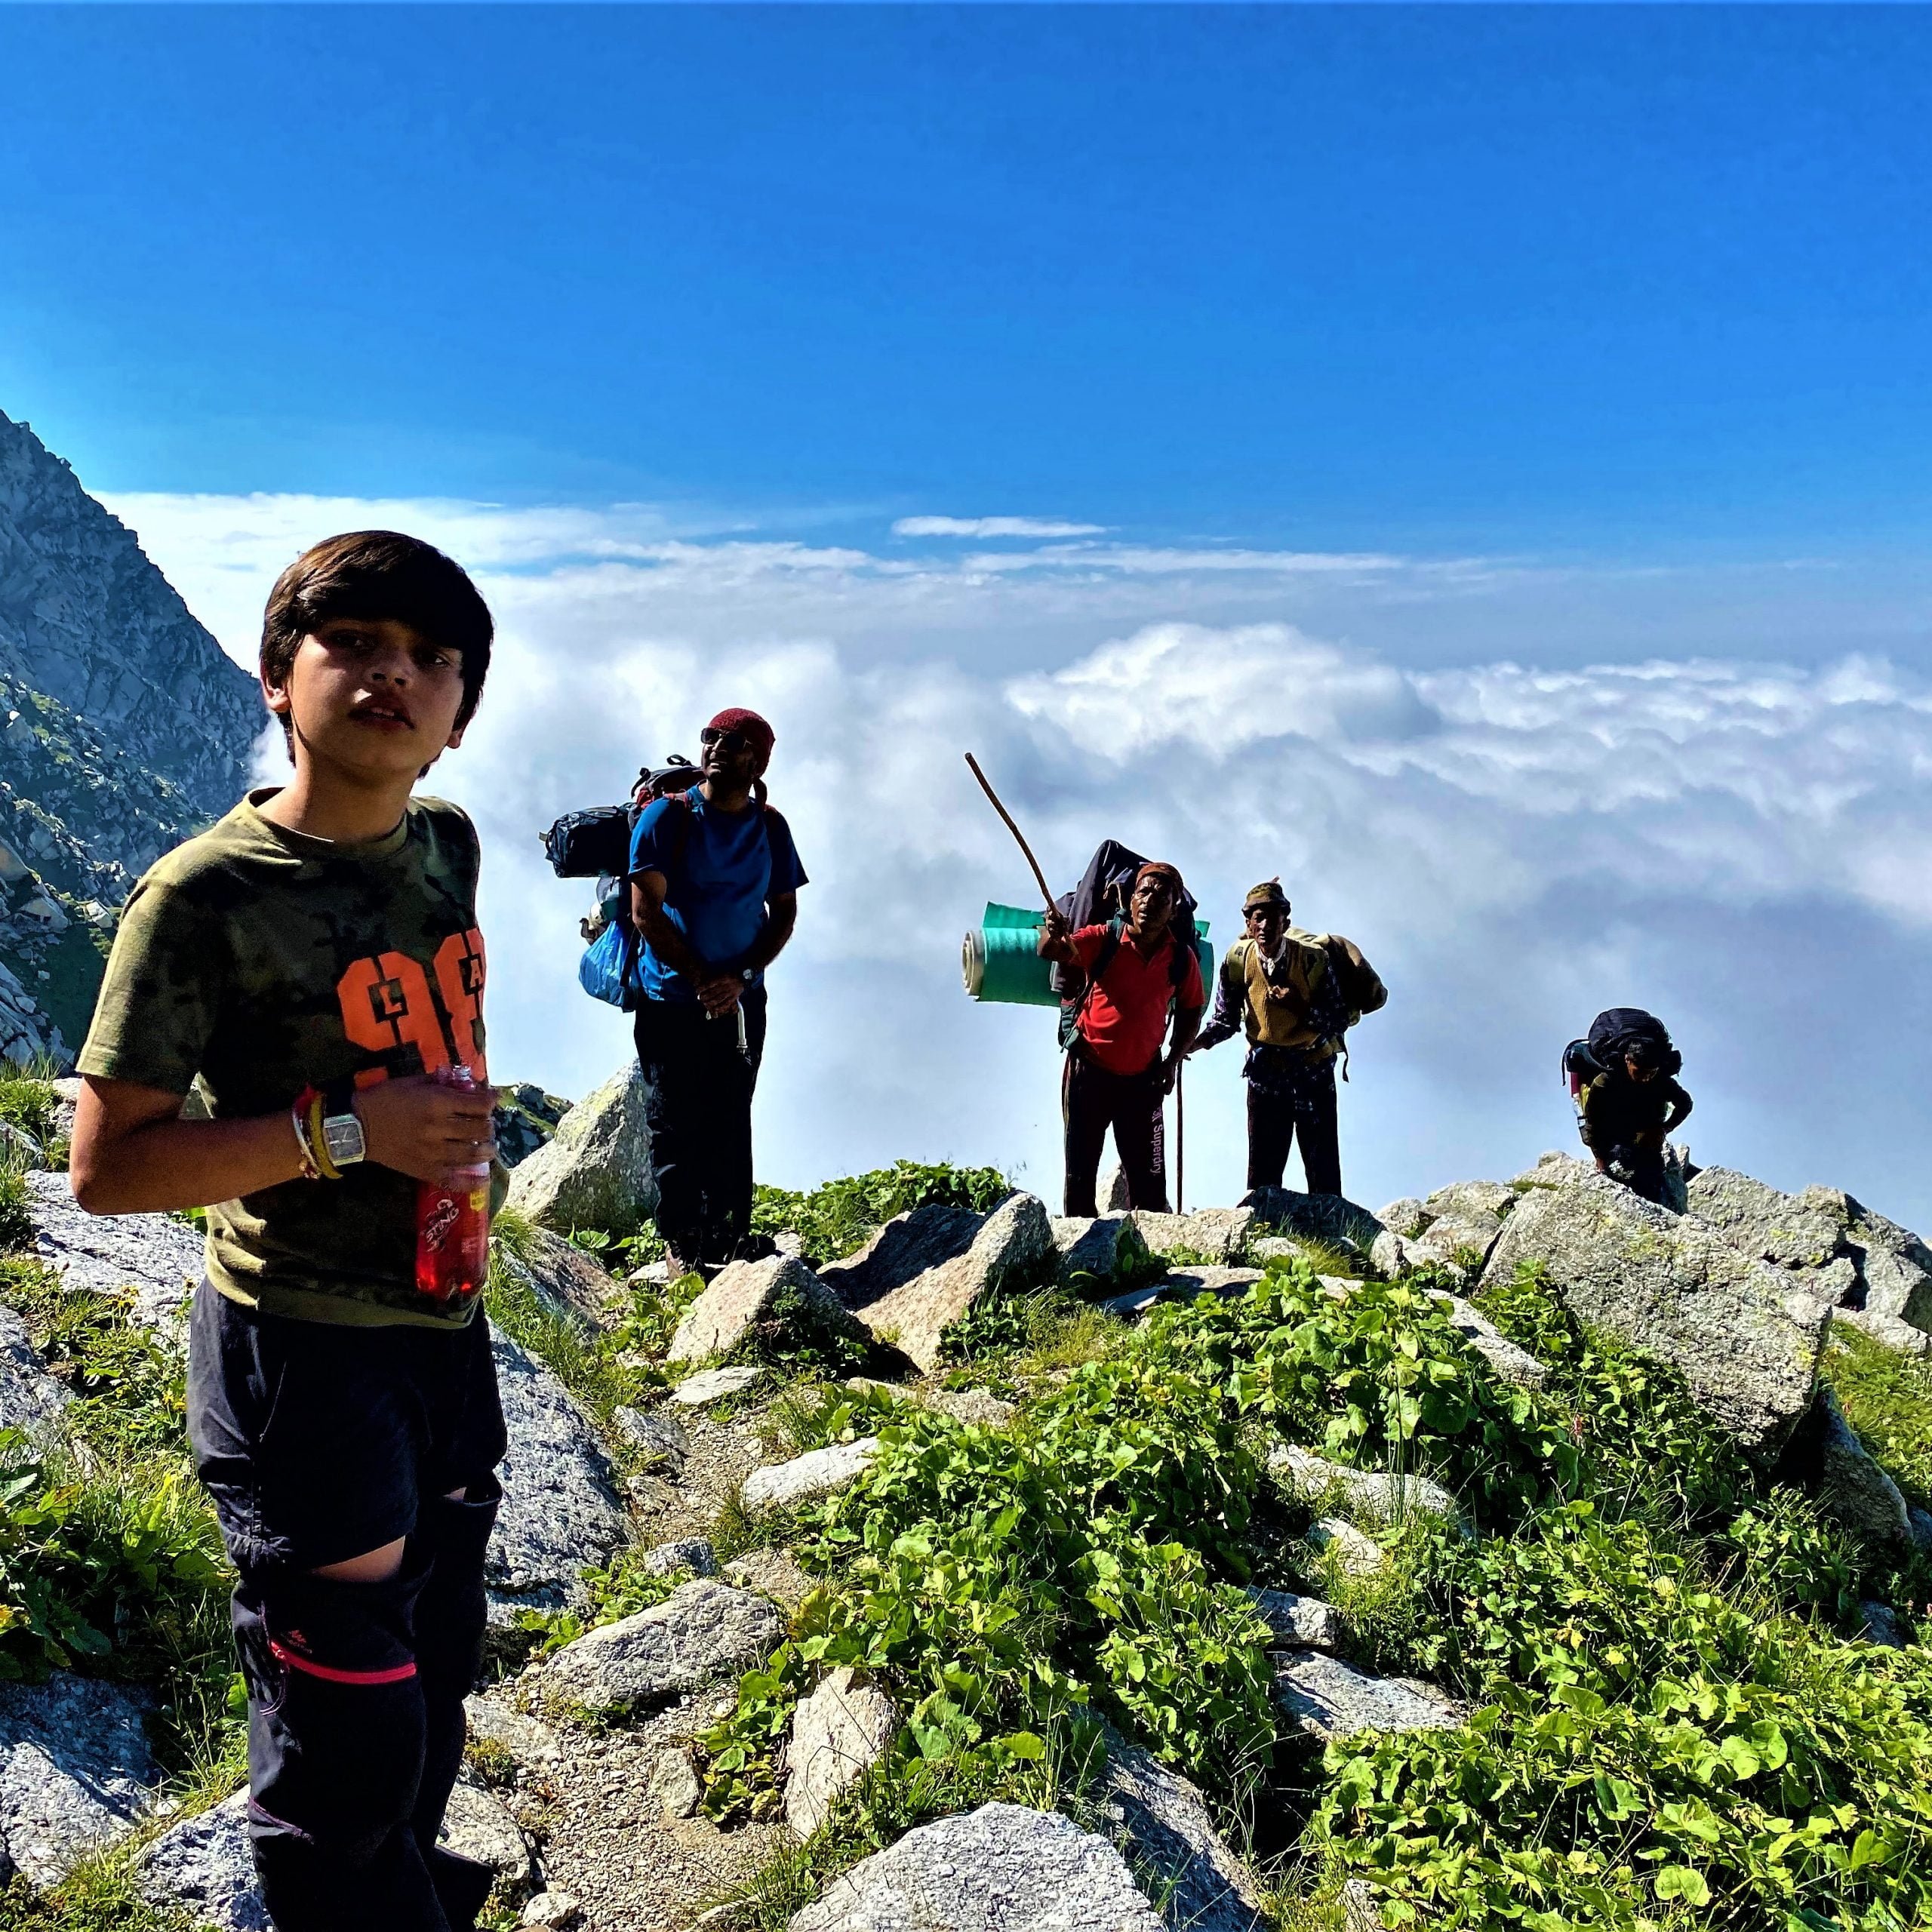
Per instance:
(342,1135)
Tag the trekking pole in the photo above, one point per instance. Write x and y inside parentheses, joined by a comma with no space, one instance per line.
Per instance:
(1020,838)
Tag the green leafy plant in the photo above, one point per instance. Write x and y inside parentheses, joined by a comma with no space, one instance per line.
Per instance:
(839,1217)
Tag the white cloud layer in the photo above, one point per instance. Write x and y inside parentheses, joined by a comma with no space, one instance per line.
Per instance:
(992,526)
(1738,845)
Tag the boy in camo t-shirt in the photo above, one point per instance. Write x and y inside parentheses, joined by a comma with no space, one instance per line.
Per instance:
(311,964)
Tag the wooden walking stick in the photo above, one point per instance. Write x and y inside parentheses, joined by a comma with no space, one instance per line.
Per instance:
(1039,877)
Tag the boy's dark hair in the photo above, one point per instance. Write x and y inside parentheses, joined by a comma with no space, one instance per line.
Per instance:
(376,573)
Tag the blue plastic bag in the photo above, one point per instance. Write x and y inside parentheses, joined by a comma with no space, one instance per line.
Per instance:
(608,970)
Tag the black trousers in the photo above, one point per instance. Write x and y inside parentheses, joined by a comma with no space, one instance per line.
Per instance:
(698,1103)
(1092,1100)
(1640,1169)
(316,1443)
(1276,1115)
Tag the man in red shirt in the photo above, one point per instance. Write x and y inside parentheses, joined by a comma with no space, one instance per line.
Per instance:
(1116,1075)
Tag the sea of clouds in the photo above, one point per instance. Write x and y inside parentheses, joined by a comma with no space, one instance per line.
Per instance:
(1738,845)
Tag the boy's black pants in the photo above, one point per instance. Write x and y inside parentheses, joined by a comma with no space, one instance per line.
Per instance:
(318,1443)
(1285,1101)
(1092,1100)
(698,1103)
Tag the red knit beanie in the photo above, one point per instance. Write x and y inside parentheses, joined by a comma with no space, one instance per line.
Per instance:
(753,728)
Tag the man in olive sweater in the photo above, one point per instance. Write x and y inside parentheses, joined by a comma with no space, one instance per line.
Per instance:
(1295,995)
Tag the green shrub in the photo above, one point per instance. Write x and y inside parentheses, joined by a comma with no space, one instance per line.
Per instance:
(839,1217)
(16,1218)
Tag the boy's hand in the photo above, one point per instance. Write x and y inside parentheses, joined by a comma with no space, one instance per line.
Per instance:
(423,1127)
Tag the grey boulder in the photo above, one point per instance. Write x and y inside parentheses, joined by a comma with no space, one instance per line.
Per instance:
(1878,1272)
(1331,1217)
(1104,1246)
(1825,1457)
(1745,1336)
(909,1299)
(838,1734)
(596,1172)
(565,1281)
(478,1826)
(810,1478)
(1297,1622)
(156,1256)
(1367,1494)
(761,1304)
(713,1385)
(203,1868)
(1333,1700)
(30,1399)
(703,1631)
(1003,1868)
(1469,1200)
(1215,1234)
(75,1771)
(1203,1886)
(658,1437)
(1407,1217)
(560,1511)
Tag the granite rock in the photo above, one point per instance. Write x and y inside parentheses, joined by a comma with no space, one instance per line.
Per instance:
(203,1867)
(761,1304)
(1746,1337)
(1000,1869)
(595,1173)
(75,1771)
(703,1632)
(1333,1700)
(560,1511)
(808,1479)
(911,1305)
(839,1733)
(157,1257)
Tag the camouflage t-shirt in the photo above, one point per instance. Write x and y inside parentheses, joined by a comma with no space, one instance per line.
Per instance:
(264,960)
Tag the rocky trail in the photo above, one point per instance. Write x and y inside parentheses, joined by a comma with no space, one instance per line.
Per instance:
(699,1710)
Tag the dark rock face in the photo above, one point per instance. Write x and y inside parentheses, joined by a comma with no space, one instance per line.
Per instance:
(123,730)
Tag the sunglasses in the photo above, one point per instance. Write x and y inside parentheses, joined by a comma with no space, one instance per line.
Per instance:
(729,741)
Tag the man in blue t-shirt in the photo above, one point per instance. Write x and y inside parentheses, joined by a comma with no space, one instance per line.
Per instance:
(715,882)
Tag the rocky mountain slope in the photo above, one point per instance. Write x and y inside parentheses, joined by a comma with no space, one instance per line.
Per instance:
(123,729)
(1514,1556)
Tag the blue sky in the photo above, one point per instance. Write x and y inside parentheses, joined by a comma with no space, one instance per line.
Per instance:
(1570,278)
(1472,462)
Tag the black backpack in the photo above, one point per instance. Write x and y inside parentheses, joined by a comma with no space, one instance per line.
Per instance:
(1613,1033)
(1072,1005)
(583,844)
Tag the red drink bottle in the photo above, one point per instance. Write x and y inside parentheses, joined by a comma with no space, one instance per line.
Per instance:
(453,1225)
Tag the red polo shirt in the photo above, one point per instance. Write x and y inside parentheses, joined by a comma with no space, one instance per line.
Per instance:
(1124,1020)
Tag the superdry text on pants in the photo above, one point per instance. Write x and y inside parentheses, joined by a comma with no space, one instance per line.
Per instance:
(1092,1099)
(699,1086)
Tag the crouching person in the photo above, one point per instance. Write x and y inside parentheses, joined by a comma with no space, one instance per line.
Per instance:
(313,961)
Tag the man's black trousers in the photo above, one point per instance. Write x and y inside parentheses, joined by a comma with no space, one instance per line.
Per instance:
(698,1103)
(1276,1115)
(318,1443)
(1092,1100)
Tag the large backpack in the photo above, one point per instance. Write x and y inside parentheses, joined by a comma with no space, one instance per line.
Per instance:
(608,969)
(582,845)
(1072,1005)
(1612,1034)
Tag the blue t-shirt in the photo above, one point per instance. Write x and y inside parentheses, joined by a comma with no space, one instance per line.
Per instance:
(719,868)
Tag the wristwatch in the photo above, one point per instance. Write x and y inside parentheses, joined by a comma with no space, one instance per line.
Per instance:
(342,1138)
